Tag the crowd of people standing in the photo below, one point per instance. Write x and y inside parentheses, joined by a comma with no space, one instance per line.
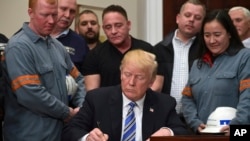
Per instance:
(60,84)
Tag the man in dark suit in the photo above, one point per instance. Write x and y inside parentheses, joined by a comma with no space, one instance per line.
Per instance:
(103,114)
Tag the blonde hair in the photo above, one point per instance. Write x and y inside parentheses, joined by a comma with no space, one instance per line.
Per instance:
(143,60)
(33,3)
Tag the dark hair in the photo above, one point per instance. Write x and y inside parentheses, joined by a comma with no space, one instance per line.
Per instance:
(235,43)
(3,38)
(87,11)
(115,8)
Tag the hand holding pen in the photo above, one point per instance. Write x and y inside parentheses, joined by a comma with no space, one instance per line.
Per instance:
(96,134)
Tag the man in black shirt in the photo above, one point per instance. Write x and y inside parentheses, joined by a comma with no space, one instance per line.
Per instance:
(101,66)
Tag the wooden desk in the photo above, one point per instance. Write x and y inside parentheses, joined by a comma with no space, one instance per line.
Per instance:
(192,138)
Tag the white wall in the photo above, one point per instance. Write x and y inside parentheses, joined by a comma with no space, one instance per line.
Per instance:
(142,13)
(12,15)
(130,6)
(150,20)
(146,16)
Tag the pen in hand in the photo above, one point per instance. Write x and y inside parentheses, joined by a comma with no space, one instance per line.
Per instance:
(98,125)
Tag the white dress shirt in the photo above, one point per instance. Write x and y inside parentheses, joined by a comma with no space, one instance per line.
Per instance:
(246,42)
(138,109)
(180,68)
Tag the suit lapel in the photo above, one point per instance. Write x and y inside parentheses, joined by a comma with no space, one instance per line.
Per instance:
(148,119)
(148,115)
(115,104)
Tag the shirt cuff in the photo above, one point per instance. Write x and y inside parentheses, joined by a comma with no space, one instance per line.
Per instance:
(83,138)
(171,131)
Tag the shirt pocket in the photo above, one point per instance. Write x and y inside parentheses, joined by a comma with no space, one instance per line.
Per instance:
(226,75)
(226,84)
(194,85)
(64,65)
(46,75)
(44,69)
(194,81)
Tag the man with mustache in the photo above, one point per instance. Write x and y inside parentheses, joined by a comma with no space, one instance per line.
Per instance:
(75,44)
(89,28)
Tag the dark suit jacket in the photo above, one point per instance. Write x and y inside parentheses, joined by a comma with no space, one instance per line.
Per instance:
(164,52)
(104,105)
